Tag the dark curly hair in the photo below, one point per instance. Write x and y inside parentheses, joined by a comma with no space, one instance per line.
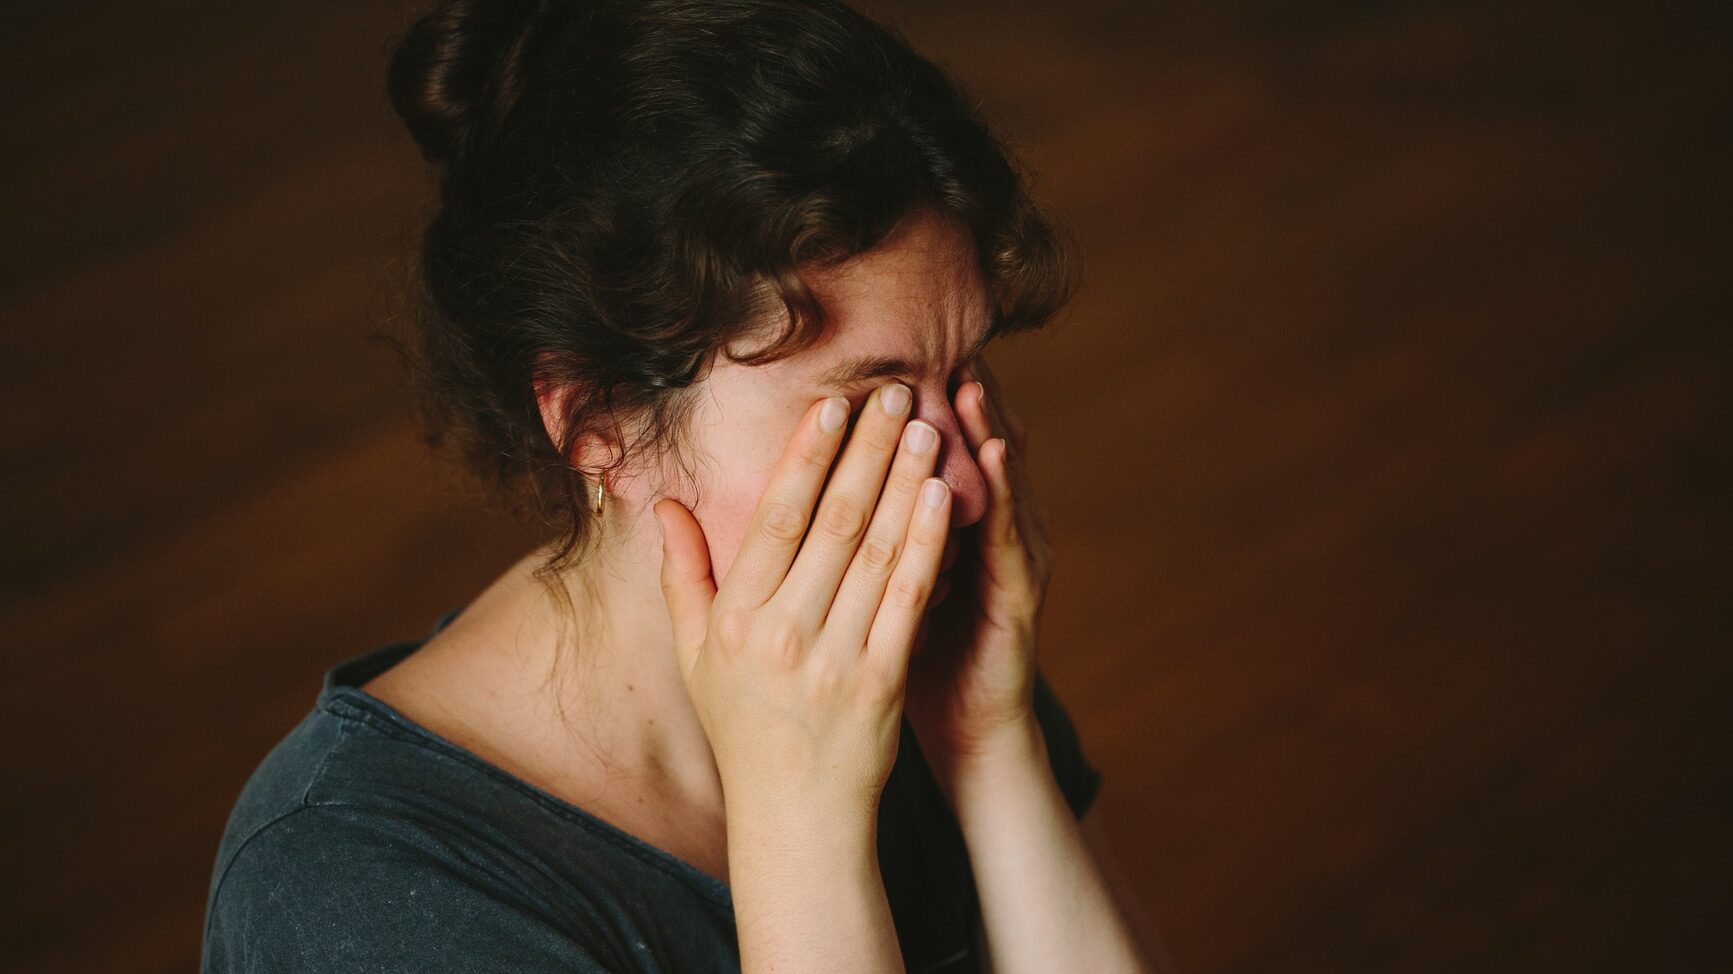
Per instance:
(628,186)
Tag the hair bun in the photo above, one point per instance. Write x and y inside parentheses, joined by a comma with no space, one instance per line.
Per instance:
(454,73)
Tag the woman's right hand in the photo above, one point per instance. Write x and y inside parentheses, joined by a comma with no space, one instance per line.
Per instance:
(797,665)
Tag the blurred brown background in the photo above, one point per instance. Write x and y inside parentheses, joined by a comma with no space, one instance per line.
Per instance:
(1386,447)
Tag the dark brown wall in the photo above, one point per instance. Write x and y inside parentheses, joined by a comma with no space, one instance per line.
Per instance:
(1386,448)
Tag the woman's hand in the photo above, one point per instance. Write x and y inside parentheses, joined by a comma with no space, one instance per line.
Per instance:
(972,680)
(1046,903)
(797,665)
(797,668)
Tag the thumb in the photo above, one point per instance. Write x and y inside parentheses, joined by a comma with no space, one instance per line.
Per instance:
(687,587)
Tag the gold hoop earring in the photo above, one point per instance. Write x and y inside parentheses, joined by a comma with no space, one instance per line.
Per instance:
(596,498)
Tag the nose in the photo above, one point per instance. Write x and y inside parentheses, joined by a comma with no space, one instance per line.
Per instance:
(956,462)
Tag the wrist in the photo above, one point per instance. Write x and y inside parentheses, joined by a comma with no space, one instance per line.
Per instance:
(804,878)
(1011,753)
(826,826)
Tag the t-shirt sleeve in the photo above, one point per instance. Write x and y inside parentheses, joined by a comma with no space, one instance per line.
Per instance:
(329,888)
(1079,780)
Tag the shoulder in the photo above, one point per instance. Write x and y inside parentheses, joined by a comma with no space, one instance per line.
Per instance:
(352,849)
(347,887)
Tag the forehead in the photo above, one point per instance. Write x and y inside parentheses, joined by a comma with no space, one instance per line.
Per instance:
(919,295)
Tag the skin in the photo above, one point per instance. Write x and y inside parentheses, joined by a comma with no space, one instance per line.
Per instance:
(643,736)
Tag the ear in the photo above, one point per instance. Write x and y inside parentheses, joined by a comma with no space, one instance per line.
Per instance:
(592,451)
(551,400)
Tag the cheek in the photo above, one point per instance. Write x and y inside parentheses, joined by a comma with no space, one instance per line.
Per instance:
(744,432)
(725,513)
(737,476)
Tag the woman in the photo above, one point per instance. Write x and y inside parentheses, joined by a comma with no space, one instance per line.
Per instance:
(680,249)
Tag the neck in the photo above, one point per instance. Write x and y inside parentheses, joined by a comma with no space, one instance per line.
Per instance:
(568,695)
(615,660)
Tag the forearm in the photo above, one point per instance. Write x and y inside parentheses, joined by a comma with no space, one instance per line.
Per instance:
(1045,903)
(808,895)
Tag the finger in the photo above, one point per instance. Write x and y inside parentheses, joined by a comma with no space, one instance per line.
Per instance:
(999,406)
(846,510)
(994,407)
(1003,552)
(687,586)
(1031,515)
(863,587)
(980,420)
(972,415)
(780,520)
(901,613)
(980,428)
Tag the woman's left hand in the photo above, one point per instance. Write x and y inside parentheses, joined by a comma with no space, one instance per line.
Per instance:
(971,686)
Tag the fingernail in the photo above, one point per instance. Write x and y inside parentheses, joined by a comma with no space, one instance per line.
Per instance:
(895,399)
(833,414)
(933,493)
(919,436)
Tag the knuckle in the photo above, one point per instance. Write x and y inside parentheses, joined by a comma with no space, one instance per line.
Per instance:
(878,555)
(783,522)
(818,452)
(885,436)
(843,521)
(784,641)
(732,626)
(929,531)
(908,593)
(831,678)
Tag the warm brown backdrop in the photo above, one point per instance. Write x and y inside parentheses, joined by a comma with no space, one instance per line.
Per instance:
(1386,446)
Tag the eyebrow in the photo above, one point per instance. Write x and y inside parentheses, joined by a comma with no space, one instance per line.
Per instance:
(863,367)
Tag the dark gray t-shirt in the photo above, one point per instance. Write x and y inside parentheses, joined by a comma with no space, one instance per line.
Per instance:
(366,843)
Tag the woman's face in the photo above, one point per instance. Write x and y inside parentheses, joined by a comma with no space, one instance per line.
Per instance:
(917,298)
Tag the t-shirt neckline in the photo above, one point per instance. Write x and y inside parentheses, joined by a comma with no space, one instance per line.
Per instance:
(344,681)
